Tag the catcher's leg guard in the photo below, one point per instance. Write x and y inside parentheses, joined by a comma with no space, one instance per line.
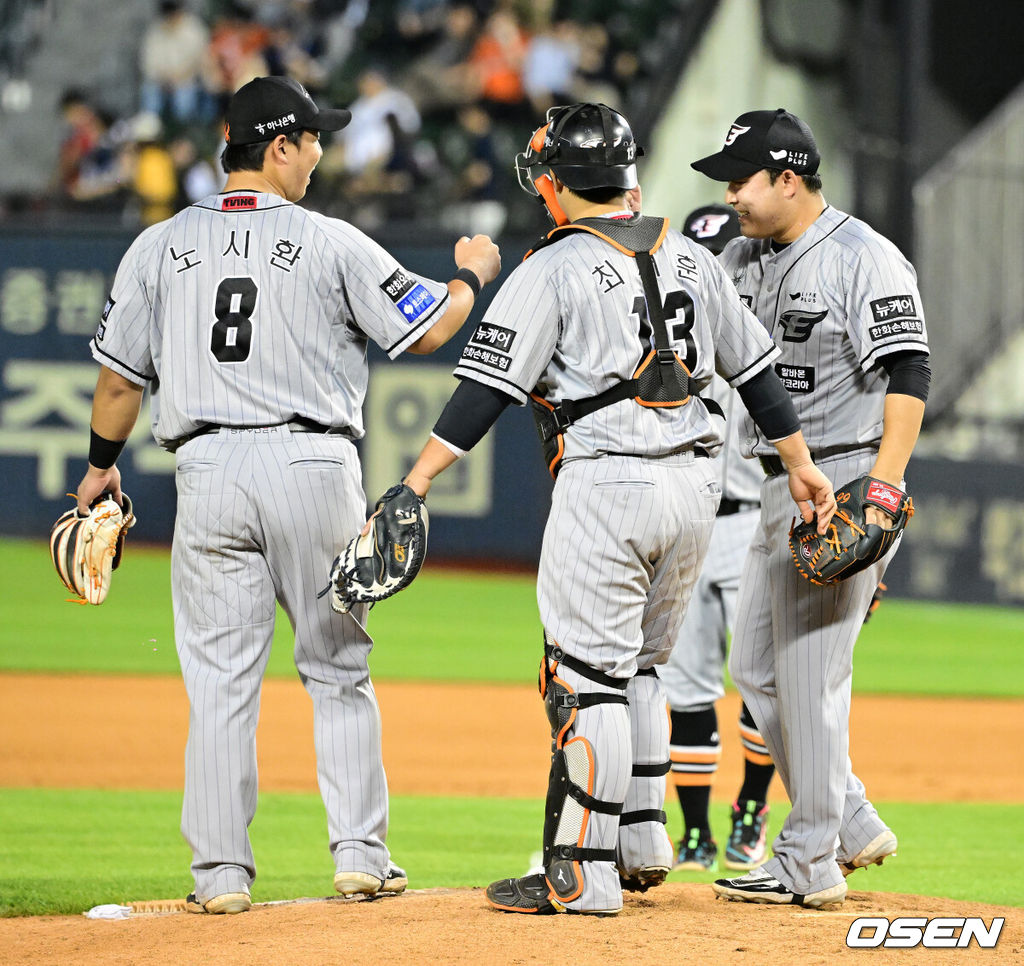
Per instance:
(572,805)
(644,854)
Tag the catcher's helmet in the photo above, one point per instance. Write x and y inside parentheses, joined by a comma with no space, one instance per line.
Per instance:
(586,145)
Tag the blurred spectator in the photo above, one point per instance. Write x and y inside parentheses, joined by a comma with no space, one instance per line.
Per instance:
(549,66)
(442,78)
(88,166)
(197,177)
(171,61)
(285,55)
(497,60)
(475,198)
(234,55)
(419,21)
(384,119)
(594,68)
(154,180)
(340,21)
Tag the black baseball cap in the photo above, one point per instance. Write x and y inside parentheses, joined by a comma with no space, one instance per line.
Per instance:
(762,139)
(268,106)
(712,226)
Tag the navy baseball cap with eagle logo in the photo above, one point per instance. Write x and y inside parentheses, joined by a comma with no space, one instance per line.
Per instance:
(762,139)
(268,106)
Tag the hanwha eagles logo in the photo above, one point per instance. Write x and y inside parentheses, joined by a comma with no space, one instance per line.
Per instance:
(798,324)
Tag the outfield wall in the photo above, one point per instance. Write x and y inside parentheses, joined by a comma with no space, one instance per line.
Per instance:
(967,544)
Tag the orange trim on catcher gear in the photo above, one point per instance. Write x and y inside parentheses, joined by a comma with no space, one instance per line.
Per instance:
(546,189)
(576,226)
(670,404)
(561,438)
(583,825)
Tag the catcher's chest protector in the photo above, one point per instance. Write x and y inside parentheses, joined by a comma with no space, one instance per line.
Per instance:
(661,380)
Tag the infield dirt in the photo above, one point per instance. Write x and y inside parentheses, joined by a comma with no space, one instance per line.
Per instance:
(124,731)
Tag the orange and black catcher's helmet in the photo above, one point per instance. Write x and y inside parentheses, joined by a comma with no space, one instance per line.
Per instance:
(585,145)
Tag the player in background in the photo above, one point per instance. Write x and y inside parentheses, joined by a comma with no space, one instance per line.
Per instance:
(841,303)
(695,669)
(611,327)
(249,317)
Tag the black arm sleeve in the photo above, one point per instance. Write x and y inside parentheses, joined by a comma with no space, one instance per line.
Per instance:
(909,373)
(769,404)
(472,410)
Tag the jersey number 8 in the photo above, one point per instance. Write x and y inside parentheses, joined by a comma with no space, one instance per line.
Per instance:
(231,338)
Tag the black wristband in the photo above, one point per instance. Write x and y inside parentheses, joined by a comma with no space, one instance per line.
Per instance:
(103,453)
(471,278)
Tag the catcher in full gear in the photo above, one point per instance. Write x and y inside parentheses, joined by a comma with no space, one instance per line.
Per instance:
(610,328)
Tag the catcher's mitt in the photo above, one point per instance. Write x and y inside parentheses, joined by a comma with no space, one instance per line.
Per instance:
(86,549)
(850,544)
(388,557)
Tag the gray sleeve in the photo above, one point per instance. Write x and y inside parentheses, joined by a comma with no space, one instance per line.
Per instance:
(392,305)
(122,339)
(884,311)
(512,347)
(743,347)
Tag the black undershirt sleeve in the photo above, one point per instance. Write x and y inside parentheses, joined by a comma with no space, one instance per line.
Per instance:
(472,410)
(770,405)
(909,373)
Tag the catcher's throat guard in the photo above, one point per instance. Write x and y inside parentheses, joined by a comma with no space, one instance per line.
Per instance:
(378,564)
(850,544)
(86,549)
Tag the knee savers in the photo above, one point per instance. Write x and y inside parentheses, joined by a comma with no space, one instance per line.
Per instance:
(570,798)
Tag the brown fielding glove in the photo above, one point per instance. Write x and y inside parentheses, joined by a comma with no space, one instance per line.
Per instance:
(86,549)
(850,544)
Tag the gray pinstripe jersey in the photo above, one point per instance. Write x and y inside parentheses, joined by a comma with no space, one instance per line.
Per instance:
(835,302)
(570,322)
(741,478)
(271,305)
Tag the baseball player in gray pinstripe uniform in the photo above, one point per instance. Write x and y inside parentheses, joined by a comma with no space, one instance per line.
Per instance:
(249,319)
(694,672)
(841,303)
(612,326)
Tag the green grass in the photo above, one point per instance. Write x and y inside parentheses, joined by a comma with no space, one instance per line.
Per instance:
(63,852)
(451,625)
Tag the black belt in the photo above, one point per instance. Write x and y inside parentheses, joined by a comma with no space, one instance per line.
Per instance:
(298,424)
(729,506)
(773,465)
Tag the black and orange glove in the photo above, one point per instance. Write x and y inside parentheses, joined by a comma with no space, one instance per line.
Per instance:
(850,544)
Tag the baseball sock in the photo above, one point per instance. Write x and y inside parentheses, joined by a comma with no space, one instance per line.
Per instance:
(757,763)
(695,753)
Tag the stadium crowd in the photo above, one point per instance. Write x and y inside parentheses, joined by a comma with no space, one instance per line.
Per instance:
(443,94)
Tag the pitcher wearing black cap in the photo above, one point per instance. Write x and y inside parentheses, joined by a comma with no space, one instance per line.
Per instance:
(249,317)
(841,303)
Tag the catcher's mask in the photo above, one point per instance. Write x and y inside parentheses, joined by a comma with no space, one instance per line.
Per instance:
(586,146)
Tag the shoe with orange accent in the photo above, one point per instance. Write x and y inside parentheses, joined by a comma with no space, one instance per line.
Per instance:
(530,893)
(874,853)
